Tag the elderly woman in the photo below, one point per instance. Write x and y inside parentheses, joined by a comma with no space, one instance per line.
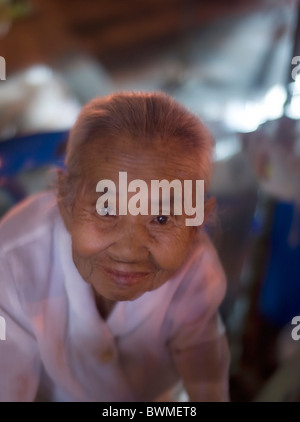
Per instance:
(104,304)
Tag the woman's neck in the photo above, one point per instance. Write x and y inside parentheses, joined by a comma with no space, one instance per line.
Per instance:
(104,306)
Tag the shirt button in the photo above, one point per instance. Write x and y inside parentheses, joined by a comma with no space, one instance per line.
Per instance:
(107,355)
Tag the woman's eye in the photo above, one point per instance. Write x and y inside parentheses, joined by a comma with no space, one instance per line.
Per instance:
(162,219)
(106,211)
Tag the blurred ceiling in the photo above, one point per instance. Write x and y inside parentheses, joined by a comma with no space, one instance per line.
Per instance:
(115,32)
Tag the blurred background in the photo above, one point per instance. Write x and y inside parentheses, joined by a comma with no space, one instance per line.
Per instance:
(230,62)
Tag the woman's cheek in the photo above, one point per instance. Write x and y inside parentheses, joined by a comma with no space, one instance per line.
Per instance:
(170,252)
(87,240)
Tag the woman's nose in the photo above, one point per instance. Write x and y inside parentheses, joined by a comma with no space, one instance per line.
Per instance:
(131,243)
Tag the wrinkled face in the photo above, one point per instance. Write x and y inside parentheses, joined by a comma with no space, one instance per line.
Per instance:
(124,256)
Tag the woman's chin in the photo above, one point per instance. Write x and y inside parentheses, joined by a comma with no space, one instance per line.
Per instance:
(119,296)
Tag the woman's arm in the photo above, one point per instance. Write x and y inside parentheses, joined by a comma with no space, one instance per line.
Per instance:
(204,370)
(198,343)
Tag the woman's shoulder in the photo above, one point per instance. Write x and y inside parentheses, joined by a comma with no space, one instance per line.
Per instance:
(203,274)
(203,255)
(27,220)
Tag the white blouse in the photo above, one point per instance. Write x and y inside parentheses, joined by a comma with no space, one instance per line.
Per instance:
(58,348)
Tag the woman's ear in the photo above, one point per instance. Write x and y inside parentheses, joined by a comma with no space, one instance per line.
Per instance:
(64,198)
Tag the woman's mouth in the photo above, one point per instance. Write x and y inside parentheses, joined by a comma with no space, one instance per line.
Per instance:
(126,278)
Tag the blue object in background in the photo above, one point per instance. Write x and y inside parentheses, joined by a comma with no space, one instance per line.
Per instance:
(32,151)
(29,152)
(280,296)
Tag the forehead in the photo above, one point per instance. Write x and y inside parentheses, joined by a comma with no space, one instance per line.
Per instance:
(142,160)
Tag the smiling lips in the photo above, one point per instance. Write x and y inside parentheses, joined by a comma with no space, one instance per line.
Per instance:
(126,278)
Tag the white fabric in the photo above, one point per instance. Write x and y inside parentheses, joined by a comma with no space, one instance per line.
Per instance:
(57,346)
